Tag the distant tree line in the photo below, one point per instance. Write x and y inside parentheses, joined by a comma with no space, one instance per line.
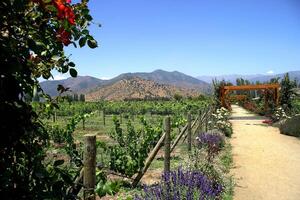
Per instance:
(75,97)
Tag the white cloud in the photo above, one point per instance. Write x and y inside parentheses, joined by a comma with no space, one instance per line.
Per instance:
(270,72)
(105,78)
(60,76)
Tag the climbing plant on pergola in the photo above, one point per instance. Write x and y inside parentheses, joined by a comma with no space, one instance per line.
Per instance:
(225,90)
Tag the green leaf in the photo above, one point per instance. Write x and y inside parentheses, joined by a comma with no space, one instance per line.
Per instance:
(58,162)
(73,72)
(85,32)
(82,41)
(64,68)
(55,57)
(74,44)
(51,8)
(46,75)
(89,17)
(60,88)
(66,177)
(92,44)
(71,64)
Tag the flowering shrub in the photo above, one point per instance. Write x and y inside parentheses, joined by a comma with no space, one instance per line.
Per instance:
(212,142)
(180,184)
(220,121)
(279,114)
(250,106)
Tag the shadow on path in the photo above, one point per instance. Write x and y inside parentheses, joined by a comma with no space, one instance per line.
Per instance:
(247,118)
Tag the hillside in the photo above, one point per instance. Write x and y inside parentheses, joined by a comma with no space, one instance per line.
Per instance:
(80,84)
(137,88)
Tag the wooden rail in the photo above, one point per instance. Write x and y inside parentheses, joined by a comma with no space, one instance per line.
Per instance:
(88,173)
(252,87)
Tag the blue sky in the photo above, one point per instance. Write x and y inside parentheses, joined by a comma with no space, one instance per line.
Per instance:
(196,37)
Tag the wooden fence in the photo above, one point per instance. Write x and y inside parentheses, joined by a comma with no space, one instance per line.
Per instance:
(88,174)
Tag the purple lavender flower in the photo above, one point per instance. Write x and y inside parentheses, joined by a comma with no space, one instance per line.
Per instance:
(182,184)
(213,142)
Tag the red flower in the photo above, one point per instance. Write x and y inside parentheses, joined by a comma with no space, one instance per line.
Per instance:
(69,15)
(267,121)
(63,36)
(64,11)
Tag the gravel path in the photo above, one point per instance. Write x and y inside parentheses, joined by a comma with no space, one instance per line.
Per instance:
(266,163)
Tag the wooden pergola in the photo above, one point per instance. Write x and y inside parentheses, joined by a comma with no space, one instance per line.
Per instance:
(265,87)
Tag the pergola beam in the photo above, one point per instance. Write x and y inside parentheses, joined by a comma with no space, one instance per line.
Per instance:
(275,87)
(252,87)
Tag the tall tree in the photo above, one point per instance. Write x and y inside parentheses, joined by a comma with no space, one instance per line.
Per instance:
(286,92)
(82,97)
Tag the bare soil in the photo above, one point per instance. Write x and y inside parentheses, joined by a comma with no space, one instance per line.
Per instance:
(266,163)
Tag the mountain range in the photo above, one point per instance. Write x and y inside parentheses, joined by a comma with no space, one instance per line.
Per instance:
(158,83)
(252,78)
(164,83)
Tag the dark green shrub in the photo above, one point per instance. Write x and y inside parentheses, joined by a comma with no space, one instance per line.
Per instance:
(228,131)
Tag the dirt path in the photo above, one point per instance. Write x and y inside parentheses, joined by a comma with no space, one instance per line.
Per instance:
(266,163)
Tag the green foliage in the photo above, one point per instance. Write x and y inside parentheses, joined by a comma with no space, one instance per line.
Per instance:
(296,107)
(65,135)
(135,107)
(110,187)
(178,97)
(286,92)
(228,131)
(132,146)
(31,47)
(57,134)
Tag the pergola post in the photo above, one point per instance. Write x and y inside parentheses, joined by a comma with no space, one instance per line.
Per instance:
(222,96)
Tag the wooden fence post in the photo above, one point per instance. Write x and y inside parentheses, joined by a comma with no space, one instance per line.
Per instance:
(189,131)
(103,116)
(89,164)
(167,144)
